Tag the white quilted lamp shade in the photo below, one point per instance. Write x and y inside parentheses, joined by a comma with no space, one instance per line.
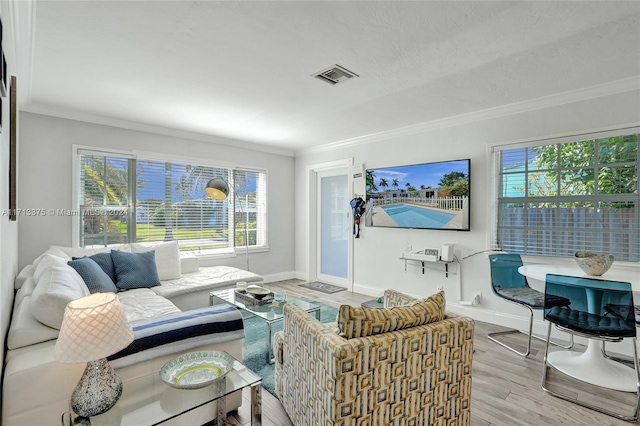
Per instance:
(93,327)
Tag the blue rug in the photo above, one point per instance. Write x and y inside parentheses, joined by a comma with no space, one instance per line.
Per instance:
(254,348)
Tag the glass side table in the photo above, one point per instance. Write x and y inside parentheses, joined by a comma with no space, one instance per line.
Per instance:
(147,400)
(271,313)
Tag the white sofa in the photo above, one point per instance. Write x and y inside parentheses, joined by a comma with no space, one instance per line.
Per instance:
(36,388)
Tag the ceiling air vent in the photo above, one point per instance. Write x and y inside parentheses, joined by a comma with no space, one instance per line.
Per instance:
(335,74)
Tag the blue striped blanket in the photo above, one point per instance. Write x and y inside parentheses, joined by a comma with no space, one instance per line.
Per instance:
(180,332)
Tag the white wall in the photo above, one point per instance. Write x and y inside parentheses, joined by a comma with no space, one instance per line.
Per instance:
(377,251)
(46,182)
(8,229)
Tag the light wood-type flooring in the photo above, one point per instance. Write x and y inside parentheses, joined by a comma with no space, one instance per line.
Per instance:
(506,387)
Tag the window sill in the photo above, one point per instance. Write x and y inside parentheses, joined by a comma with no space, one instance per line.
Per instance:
(261,249)
(570,261)
(238,251)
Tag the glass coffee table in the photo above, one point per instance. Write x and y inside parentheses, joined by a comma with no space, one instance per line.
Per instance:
(147,400)
(271,313)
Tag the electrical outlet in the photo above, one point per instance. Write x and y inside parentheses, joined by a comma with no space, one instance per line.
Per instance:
(477,295)
(440,288)
(408,248)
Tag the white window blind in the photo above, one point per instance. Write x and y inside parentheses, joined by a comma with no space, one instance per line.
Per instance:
(554,199)
(105,205)
(250,207)
(139,200)
(171,205)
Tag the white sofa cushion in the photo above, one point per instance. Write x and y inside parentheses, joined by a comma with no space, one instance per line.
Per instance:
(57,286)
(46,262)
(167,258)
(25,290)
(25,274)
(53,250)
(189,264)
(25,329)
(207,278)
(142,304)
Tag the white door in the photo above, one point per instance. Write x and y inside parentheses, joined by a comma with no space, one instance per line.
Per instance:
(333,221)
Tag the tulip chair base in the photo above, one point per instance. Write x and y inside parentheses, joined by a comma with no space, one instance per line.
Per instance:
(580,366)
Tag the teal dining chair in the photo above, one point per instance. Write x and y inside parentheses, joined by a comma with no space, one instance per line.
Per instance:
(619,310)
(509,284)
(590,317)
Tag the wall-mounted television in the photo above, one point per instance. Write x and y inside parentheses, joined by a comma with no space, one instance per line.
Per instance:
(419,196)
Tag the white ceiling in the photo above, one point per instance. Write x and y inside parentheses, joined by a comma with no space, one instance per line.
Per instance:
(242,70)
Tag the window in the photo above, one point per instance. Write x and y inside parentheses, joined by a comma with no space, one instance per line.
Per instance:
(582,194)
(125,199)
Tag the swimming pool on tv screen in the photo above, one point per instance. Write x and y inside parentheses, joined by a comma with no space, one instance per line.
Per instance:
(415,217)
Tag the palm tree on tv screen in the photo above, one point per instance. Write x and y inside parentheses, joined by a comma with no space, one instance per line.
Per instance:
(383,184)
(370,181)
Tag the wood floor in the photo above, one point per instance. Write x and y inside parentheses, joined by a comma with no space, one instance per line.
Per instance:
(506,388)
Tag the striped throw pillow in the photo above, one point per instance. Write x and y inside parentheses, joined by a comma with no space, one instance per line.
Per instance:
(360,322)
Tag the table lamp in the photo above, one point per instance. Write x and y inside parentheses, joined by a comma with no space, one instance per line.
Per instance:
(93,328)
(218,189)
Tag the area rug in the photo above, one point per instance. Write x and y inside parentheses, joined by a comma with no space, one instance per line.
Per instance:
(323,287)
(254,348)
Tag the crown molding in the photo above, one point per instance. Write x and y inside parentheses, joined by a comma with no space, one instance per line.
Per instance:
(593,92)
(22,26)
(158,130)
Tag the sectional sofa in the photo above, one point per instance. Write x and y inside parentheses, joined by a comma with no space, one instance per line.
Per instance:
(36,388)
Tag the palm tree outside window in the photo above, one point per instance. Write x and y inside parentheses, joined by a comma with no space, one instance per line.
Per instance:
(123,200)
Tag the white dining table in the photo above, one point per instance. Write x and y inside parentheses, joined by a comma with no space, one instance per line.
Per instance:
(589,366)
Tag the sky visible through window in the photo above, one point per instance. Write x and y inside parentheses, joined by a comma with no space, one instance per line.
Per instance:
(156,175)
(428,174)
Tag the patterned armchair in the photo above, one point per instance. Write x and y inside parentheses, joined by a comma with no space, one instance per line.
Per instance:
(408,365)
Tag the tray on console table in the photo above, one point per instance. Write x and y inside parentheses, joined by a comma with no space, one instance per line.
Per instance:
(247,298)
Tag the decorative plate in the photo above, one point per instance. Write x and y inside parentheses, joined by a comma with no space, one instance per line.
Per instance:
(196,370)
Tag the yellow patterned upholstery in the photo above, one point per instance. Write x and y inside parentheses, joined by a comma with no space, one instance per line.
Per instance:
(361,322)
(418,376)
(395,298)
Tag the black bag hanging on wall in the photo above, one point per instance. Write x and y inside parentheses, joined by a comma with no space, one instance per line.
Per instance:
(357,206)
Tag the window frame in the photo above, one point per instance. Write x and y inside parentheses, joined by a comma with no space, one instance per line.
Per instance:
(495,178)
(133,156)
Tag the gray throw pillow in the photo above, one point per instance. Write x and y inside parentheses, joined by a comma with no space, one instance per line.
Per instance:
(135,270)
(105,262)
(94,277)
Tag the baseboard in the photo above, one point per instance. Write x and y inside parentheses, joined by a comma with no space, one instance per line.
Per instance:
(510,321)
(498,318)
(301,276)
(369,291)
(280,276)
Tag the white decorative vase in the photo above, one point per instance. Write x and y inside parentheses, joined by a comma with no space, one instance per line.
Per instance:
(593,263)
